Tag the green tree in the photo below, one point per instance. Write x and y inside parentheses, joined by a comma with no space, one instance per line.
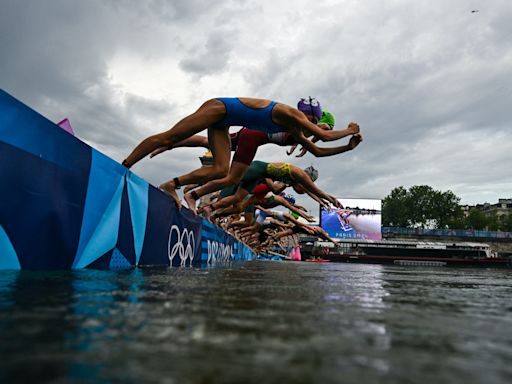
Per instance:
(422,201)
(476,220)
(422,206)
(506,223)
(447,210)
(395,208)
(493,222)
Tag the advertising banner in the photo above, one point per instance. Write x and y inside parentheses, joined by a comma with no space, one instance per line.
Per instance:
(65,205)
(358,219)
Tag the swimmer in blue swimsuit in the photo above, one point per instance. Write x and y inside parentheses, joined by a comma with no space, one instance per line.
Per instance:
(218,115)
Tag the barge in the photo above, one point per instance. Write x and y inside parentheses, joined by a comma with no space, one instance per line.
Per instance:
(406,252)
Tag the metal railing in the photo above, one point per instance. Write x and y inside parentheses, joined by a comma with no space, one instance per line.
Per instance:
(446,232)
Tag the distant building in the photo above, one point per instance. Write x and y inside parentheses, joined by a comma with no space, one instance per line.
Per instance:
(502,208)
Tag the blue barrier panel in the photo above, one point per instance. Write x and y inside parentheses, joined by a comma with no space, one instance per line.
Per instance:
(216,246)
(65,205)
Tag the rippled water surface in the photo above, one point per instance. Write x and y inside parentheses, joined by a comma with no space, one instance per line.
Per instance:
(258,322)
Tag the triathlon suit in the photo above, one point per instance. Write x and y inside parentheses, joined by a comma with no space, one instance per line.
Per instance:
(246,141)
(261,216)
(262,129)
(259,191)
(237,113)
(280,173)
(257,172)
(260,170)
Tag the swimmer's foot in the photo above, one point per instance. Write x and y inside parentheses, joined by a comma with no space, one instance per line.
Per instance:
(207,212)
(200,210)
(191,202)
(190,187)
(171,191)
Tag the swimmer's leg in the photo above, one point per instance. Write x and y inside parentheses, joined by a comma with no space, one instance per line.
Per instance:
(208,114)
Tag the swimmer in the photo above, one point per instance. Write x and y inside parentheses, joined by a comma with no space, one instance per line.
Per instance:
(302,181)
(217,115)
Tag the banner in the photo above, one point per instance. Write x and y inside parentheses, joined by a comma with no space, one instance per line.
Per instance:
(358,219)
(65,205)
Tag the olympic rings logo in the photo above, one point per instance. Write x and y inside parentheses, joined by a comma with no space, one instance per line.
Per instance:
(178,247)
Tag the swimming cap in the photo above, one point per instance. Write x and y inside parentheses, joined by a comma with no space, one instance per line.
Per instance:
(311,172)
(290,199)
(327,118)
(260,191)
(310,106)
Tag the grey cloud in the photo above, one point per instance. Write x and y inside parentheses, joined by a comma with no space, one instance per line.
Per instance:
(210,58)
(423,79)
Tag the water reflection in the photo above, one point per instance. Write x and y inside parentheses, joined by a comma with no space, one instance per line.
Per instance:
(456,315)
(356,297)
(256,322)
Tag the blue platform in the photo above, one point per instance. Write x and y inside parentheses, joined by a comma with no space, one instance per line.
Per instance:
(65,205)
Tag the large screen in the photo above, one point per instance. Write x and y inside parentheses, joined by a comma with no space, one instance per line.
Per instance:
(359,219)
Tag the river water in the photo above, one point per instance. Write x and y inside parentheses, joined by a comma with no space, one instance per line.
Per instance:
(258,322)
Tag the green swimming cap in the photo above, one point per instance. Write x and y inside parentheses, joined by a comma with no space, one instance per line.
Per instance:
(296,216)
(327,118)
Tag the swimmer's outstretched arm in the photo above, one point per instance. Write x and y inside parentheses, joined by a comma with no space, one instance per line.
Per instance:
(286,232)
(304,180)
(310,128)
(303,150)
(294,208)
(292,219)
(317,151)
(276,187)
(320,232)
(314,139)
(317,199)
(277,223)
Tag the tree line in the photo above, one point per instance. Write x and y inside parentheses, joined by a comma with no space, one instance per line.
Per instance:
(421,206)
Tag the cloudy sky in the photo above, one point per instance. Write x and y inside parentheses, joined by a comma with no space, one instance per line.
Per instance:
(429,82)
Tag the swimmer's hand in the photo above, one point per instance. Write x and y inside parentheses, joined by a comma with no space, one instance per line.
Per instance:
(353,128)
(334,201)
(158,151)
(355,140)
(302,152)
(290,151)
(309,230)
(325,205)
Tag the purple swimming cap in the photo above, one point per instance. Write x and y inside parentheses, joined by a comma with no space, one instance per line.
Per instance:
(310,106)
